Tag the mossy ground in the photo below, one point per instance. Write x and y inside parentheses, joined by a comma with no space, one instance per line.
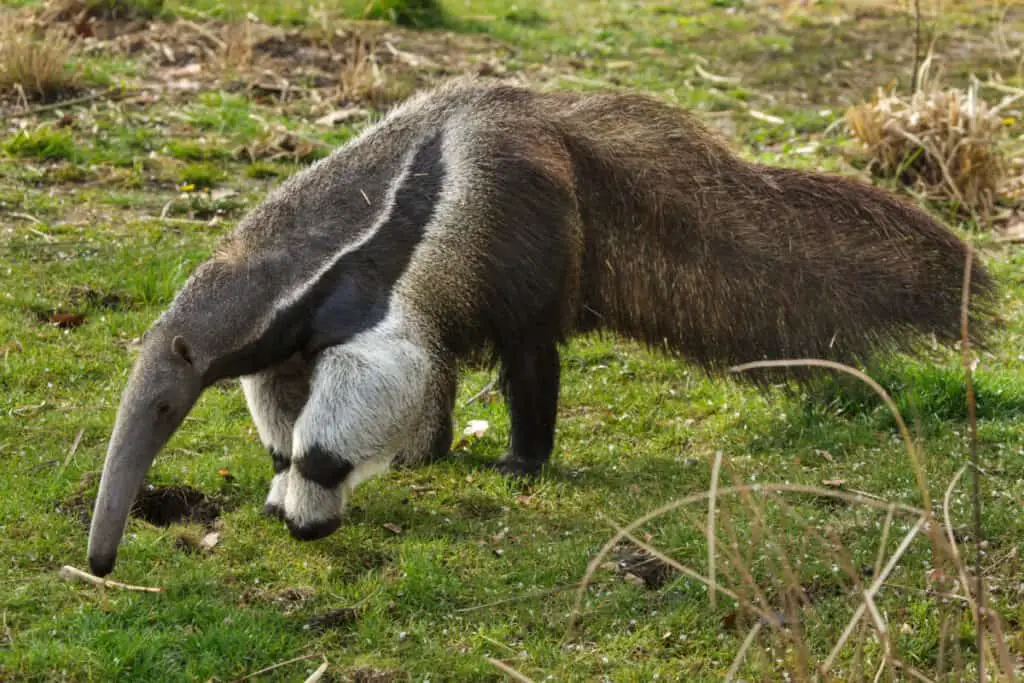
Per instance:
(105,207)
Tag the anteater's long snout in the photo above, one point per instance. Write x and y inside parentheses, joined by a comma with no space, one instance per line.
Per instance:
(128,460)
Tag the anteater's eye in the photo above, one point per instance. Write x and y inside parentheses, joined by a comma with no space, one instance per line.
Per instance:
(163,408)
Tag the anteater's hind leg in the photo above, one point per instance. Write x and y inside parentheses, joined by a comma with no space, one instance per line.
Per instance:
(275,399)
(372,400)
(530,377)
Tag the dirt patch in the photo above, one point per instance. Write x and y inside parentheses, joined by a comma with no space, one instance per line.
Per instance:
(640,567)
(95,298)
(166,505)
(371,675)
(352,62)
(335,618)
(78,505)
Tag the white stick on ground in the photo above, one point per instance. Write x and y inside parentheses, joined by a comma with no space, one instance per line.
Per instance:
(71,573)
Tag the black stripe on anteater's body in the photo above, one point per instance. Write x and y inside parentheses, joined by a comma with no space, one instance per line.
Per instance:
(482,218)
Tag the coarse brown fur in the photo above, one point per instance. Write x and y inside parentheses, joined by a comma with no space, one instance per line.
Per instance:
(694,250)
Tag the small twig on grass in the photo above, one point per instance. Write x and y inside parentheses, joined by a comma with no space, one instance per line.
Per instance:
(508,670)
(318,674)
(204,32)
(74,447)
(518,598)
(29,217)
(274,667)
(26,216)
(68,573)
(480,394)
(177,221)
(714,78)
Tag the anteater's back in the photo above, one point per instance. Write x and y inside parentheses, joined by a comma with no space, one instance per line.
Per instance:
(723,261)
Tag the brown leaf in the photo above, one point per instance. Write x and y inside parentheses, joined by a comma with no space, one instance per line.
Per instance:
(393,528)
(834,483)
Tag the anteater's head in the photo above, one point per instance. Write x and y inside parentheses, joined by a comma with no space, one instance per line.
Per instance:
(164,385)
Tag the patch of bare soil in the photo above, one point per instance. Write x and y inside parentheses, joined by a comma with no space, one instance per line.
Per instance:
(351,63)
(640,567)
(371,675)
(158,505)
(166,505)
(837,54)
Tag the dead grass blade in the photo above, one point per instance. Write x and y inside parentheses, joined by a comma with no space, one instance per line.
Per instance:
(715,468)
(742,654)
(870,593)
(508,670)
(275,667)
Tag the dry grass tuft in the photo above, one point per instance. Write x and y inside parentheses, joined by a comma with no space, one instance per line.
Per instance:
(942,143)
(237,41)
(34,65)
(360,78)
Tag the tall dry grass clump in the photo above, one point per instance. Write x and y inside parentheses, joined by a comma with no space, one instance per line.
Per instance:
(35,63)
(825,599)
(944,143)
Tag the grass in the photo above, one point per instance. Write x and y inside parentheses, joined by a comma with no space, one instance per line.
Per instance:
(450,564)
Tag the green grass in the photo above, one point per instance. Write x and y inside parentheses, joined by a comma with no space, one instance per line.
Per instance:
(80,232)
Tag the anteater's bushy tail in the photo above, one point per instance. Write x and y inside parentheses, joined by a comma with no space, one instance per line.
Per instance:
(692,249)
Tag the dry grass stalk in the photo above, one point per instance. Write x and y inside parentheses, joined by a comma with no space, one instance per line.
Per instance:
(236,44)
(732,575)
(942,143)
(274,667)
(508,670)
(35,63)
(712,594)
(360,78)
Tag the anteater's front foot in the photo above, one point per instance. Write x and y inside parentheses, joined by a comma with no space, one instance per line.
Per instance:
(517,466)
(312,531)
(273,511)
(274,505)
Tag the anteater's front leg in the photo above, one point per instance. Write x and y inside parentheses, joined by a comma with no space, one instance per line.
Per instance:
(530,377)
(370,400)
(275,398)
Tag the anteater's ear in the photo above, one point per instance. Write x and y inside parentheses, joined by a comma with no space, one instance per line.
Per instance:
(180,348)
